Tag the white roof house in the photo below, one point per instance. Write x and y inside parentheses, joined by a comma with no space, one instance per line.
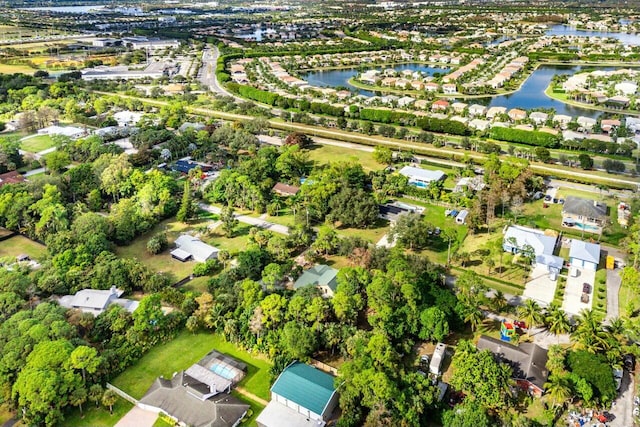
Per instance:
(477,110)
(538,117)
(479,124)
(405,101)
(70,131)
(127,118)
(584,254)
(188,246)
(626,88)
(421,177)
(95,301)
(540,242)
(586,122)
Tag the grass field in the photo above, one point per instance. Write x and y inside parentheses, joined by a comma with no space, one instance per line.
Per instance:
(182,352)
(97,417)
(37,143)
(18,245)
(162,262)
(324,154)
(11,69)
(437,250)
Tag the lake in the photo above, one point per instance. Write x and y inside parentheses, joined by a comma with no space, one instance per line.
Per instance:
(566,30)
(529,96)
(336,78)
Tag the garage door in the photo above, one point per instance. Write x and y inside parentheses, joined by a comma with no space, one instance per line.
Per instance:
(577,262)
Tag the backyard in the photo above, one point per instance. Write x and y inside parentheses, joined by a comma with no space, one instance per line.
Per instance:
(36,143)
(171,357)
(18,245)
(323,154)
(163,262)
(97,416)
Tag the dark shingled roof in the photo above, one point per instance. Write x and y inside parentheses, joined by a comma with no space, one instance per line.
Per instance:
(179,401)
(585,207)
(528,360)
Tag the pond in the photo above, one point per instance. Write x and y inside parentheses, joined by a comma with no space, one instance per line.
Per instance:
(337,78)
(531,93)
(566,30)
(529,96)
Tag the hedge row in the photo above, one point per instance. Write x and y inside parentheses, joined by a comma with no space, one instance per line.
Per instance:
(539,139)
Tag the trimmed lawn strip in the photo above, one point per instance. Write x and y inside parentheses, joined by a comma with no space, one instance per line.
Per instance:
(18,245)
(98,417)
(161,422)
(182,352)
(256,408)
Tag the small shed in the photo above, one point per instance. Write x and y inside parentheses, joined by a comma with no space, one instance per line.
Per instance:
(461,218)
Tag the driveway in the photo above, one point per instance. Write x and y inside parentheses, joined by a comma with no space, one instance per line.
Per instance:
(573,292)
(613,290)
(277,228)
(137,417)
(623,409)
(540,287)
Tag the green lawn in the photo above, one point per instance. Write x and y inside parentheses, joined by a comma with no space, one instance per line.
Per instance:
(97,417)
(437,251)
(256,408)
(233,245)
(182,352)
(161,422)
(330,153)
(21,245)
(11,69)
(37,143)
(162,262)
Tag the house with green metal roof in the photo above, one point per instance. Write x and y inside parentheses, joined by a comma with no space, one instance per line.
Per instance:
(302,396)
(322,277)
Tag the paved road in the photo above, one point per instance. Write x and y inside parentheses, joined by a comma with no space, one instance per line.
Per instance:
(281,229)
(207,73)
(623,409)
(613,291)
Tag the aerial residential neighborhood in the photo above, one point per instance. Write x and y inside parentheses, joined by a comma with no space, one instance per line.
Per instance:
(307,214)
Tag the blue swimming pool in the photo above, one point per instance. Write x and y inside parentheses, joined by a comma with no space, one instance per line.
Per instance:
(225,371)
(586,227)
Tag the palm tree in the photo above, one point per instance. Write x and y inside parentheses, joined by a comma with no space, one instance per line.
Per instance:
(617,328)
(557,321)
(474,316)
(109,398)
(531,313)
(558,388)
(588,333)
